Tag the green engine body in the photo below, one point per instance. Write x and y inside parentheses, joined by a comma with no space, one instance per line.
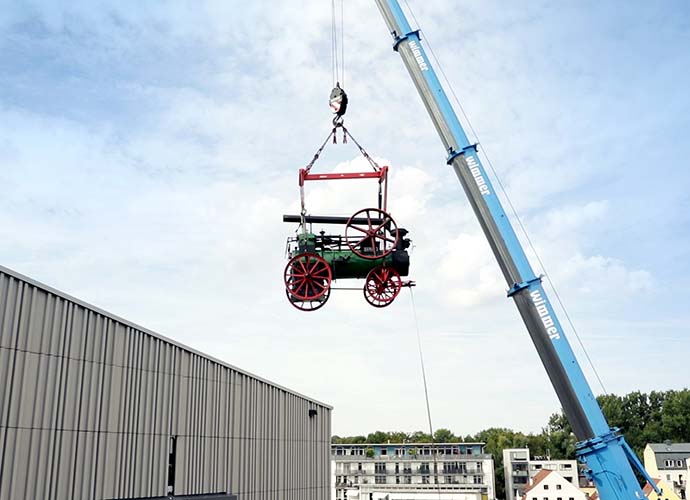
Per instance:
(346,264)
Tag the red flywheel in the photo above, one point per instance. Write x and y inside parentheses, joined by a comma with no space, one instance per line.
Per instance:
(371,233)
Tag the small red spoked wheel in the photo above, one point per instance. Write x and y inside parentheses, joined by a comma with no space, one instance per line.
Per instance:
(382,286)
(307,277)
(371,233)
(308,305)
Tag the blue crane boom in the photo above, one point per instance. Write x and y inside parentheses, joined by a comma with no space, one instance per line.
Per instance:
(608,457)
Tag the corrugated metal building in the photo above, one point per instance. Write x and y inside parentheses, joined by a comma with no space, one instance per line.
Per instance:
(95,407)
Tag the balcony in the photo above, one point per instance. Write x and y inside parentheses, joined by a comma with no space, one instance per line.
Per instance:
(407,458)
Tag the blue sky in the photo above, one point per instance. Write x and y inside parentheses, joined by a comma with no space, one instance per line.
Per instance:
(148,152)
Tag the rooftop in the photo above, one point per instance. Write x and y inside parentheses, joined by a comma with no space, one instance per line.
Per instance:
(670,447)
(538,479)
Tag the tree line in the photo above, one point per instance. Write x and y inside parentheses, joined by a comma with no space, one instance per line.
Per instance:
(643,418)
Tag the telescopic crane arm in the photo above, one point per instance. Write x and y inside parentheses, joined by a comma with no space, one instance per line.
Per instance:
(601,448)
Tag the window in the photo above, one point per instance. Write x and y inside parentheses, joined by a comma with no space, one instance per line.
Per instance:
(380,479)
(668,463)
(668,477)
(679,463)
(558,487)
(559,498)
(546,486)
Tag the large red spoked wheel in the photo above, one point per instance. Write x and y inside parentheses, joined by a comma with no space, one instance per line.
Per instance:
(308,305)
(307,279)
(382,286)
(371,233)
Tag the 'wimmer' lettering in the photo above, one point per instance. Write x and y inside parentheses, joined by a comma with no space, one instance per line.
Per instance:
(477,174)
(417,53)
(546,318)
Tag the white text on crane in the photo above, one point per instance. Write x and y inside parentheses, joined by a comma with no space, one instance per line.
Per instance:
(546,318)
(417,53)
(477,174)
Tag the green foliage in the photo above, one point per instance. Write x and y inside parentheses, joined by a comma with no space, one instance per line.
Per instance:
(370,453)
(420,437)
(444,436)
(378,437)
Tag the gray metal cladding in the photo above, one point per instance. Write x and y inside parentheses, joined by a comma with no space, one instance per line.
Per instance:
(89,403)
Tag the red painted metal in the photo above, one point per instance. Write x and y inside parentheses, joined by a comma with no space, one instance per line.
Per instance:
(381,174)
(371,241)
(382,286)
(308,305)
(307,277)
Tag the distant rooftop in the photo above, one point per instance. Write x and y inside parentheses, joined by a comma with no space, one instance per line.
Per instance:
(670,447)
(541,475)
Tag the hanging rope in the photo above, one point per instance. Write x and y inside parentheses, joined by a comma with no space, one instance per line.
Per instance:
(342,39)
(426,391)
(338,42)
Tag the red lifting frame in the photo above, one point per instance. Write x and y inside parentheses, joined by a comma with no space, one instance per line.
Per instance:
(381,174)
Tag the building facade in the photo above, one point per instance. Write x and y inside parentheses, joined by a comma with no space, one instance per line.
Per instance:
(412,471)
(669,462)
(667,491)
(520,469)
(94,407)
(548,484)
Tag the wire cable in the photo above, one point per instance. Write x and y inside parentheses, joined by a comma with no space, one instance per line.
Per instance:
(334,44)
(426,391)
(510,203)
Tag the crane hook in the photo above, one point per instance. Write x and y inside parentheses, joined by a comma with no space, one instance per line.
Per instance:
(338,101)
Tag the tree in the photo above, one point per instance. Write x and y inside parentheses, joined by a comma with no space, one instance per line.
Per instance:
(420,437)
(444,436)
(377,437)
(398,437)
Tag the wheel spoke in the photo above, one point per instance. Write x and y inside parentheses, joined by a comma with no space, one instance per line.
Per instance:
(316,263)
(321,273)
(385,221)
(357,228)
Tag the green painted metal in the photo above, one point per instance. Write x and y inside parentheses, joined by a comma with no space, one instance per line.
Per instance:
(345,264)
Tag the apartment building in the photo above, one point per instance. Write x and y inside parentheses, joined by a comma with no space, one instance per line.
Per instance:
(520,470)
(412,471)
(669,462)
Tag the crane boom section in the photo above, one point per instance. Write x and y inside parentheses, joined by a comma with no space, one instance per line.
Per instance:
(601,447)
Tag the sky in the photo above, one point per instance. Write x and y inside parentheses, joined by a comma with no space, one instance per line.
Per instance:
(149,150)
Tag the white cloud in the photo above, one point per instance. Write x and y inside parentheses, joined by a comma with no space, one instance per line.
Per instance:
(165,207)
